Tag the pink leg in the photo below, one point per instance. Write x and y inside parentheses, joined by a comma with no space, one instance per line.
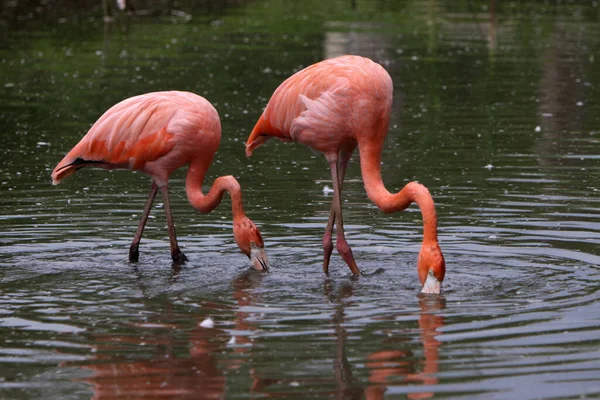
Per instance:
(134,252)
(176,254)
(327,242)
(327,237)
(342,245)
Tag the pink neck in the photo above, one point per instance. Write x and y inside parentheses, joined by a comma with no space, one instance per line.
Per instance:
(370,164)
(207,203)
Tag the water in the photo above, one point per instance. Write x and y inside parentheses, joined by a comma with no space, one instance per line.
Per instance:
(496,111)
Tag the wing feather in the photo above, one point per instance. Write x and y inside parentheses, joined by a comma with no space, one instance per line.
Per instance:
(317,100)
(131,133)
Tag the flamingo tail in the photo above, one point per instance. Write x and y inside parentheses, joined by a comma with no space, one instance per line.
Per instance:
(263,131)
(258,136)
(68,167)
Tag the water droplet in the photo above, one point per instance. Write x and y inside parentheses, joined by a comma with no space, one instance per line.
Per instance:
(207,323)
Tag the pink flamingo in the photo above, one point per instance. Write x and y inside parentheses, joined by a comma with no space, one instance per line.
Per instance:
(157,133)
(334,106)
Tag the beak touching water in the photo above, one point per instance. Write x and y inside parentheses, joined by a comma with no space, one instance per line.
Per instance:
(432,285)
(258,258)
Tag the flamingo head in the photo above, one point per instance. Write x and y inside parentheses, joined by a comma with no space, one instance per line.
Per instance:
(249,240)
(431,267)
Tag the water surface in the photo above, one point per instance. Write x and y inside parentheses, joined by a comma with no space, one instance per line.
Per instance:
(496,111)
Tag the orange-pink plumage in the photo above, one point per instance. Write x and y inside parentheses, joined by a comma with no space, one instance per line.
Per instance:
(144,129)
(333,107)
(157,133)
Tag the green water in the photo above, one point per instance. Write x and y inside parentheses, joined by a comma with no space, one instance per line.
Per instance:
(496,110)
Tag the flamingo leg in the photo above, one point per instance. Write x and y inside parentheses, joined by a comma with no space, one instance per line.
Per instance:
(342,245)
(327,237)
(176,254)
(134,252)
(327,241)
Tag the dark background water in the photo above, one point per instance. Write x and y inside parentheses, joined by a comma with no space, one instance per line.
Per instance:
(496,110)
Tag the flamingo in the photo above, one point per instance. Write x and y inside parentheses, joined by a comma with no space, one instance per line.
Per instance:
(157,133)
(333,107)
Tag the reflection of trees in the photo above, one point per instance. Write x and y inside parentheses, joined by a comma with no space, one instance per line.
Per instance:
(367,39)
(356,38)
(559,93)
(493,28)
(108,6)
(363,39)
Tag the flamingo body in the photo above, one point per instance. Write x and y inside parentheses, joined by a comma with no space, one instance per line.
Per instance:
(335,106)
(328,105)
(157,133)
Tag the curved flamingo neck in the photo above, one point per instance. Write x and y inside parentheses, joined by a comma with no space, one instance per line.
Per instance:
(207,203)
(370,164)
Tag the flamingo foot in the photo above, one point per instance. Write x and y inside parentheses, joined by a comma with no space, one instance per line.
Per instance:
(178,257)
(346,252)
(326,264)
(327,250)
(134,252)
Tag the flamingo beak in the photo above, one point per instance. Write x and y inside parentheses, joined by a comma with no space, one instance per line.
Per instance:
(258,258)
(431,285)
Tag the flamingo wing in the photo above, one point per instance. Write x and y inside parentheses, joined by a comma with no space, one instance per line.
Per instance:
(313,101)
(128,135)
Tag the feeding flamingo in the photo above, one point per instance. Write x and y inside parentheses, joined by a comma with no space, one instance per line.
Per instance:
(333,107)
(157,133)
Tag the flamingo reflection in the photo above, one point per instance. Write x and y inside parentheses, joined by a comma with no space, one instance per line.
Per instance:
(165,374)
(387,364)
(245,295)
(200,361)
(346,386)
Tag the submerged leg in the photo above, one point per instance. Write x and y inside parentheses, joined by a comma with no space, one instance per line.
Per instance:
(134,252)
(327,237)
(342,245)
(176,254)
(327,241)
